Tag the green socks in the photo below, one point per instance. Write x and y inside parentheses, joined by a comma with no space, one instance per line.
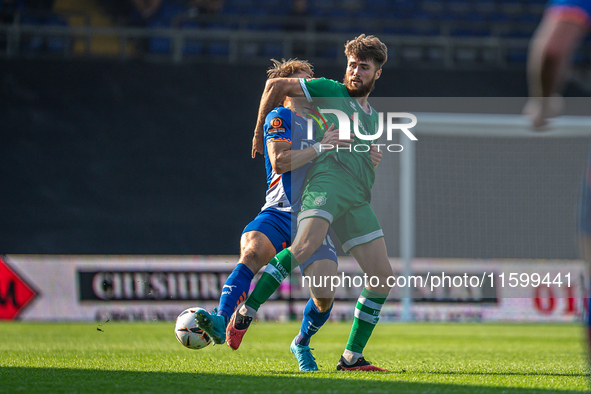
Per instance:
(367,314)
(277,270)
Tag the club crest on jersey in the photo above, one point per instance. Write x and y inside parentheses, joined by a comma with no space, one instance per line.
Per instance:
(320,201)
(276,126)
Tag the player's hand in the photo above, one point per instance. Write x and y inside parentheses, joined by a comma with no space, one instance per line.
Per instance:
(258,145)
(375,155)
(331,138)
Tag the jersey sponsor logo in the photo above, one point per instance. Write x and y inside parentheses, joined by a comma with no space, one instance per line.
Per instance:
(276,126)
(276,122)
(320,201)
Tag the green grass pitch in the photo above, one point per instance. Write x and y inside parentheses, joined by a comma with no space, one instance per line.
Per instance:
(422,358)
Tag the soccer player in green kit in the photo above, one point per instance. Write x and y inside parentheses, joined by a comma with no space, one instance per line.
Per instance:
(337,192)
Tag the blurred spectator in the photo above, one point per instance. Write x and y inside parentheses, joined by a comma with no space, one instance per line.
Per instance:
(39,5)
(299,8)
(8,9)
(206,6)
(562,29)
(146,8)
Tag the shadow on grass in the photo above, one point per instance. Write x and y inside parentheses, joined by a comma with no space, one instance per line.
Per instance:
(402,373)
(55,380)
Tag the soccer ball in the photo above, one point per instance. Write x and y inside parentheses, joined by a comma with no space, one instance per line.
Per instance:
(187,332)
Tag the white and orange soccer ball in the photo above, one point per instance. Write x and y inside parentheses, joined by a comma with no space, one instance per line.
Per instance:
(187,332)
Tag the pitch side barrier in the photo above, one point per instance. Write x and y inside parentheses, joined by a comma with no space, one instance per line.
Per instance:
(149,288)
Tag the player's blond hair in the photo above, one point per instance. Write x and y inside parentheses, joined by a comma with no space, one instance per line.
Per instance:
(367,48)
(286,68)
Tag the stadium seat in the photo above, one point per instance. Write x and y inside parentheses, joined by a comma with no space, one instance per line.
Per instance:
(218,48)
(56,43)
(192,46)
(34,43)
(517,55)
(272,50)
(159,45)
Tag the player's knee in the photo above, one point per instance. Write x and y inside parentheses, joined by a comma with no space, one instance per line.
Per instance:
(323,304)
(382,273)
(302,251)
(252,259)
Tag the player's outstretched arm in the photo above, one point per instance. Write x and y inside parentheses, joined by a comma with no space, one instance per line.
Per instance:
(275,91)
(284,159)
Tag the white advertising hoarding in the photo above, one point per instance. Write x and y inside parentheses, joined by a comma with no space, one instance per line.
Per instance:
(100,288)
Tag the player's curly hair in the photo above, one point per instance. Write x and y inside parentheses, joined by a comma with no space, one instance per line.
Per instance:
(286,68)
(367,48)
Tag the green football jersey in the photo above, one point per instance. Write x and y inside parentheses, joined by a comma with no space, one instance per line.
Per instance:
(323,93)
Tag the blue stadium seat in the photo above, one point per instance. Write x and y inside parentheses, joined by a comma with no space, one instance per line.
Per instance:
(55,43)
(470,32)
(272,50)
(218,48)
(517,33)
(35,43)
(192,46)
(517,55)
(327,52)
(485,8)
(159,45)
(170,10)
(398,30)
(275,7)
(403,8)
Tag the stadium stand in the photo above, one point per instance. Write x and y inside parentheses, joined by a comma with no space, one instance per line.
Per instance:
(431,33)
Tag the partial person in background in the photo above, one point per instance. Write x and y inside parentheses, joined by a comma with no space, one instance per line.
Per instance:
(561,31)
(146,8)
(584,232)
(564,25)
(298,22)
(207,6)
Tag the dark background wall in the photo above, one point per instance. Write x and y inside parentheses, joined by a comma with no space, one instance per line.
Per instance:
(112,157)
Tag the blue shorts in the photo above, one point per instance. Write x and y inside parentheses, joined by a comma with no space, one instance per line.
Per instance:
(576,11)
(280,228)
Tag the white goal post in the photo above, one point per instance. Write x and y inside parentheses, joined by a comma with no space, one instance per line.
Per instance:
(464,125)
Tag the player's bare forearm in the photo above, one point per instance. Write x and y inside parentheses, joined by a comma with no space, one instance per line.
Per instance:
(283,159)
(265,107)
(274,93)
(292,159)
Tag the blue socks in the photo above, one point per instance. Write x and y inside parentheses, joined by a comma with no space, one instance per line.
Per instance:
(235,290)
(311,323)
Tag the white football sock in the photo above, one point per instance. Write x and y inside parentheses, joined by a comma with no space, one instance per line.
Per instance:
(351,357)
(247,311)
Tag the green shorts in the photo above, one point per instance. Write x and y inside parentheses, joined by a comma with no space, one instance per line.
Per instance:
(331,193)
